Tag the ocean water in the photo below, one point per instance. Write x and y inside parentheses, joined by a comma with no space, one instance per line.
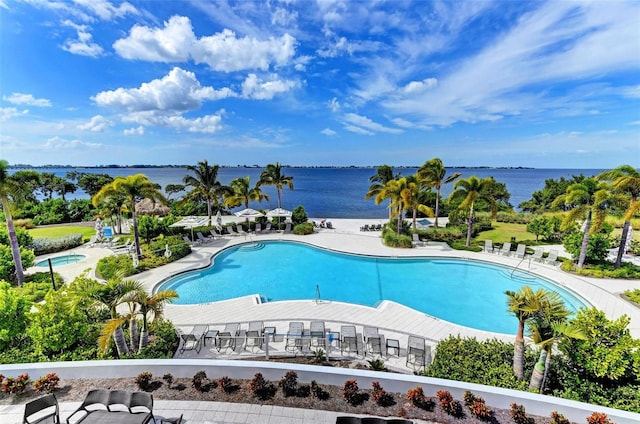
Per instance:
(339,192)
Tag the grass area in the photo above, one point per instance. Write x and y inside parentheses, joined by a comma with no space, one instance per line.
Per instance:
(63,230)
(503,231)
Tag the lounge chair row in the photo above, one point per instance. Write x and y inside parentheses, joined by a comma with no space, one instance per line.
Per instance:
(300,339)
(372,227)
(521,252)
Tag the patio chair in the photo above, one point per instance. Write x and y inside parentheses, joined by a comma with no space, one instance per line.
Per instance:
(194,339)
(287,228)
(365,227)
(258,229)
(506,249)
(373,341)
(189,242)
(488,246)
(43,408)
(318,333)
(552,259)
(214,234)
(349,339)
(119,400)
(240,230)
(96,399)
(417,351)
(268,228)
(521,251)
(294,335)
(537,254)
(416,240)
(202,237)
(231,231)
(227,338)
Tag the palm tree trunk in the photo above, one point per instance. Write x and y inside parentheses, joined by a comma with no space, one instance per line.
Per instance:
(121,343)
(415,215)
(144,338)
(279,197)
(469,227)
(209,212)
(13,241)
(136,237)
(518,352)
(585,241)
(133,332)
(437,206)
(547,366)
(623,243)
(538,372)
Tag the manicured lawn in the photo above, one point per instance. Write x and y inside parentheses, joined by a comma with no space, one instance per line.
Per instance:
(503,231)
(52,232)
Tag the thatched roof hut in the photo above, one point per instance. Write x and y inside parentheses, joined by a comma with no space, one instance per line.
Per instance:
(149,207)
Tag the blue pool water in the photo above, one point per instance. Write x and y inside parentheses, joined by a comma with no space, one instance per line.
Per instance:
(464,292)
(62,260)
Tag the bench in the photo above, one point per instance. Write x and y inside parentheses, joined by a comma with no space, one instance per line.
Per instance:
(102,406)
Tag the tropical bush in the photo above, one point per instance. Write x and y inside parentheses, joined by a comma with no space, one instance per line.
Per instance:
(380,396)
(627,270)
(299,215)
(449,404)
(164,342)
(23,236)
(179,249)
(17,385)
(43,246)
(109,266)
(515,217)
(143,380)
(14,308)
(546,227)
(303,229)
(392,239)
(47,383)
(8,267)
(597,249)
(633,295)
(261,388)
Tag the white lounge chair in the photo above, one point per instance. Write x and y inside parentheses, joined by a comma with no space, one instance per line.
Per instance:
(240,230)
(258,229)
(231,231)
(417,352)
(373,341)
(537,254)
(268,228)
(488,246)
(521,251)
(189,242)
(506,249)
(349,339)
(317,333)
(193,339)
(416,240)
(202,237)
(287,228)
(295,336)
(227,338)
(552,259)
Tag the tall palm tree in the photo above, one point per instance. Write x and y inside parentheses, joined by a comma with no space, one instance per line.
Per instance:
(547,327)
(432,174)
(523,304)
(587,200)
(392,191)
(154,305)
(272,175)
(468,192)
(242,194)
(411,200)
(134,188)
(383,175)
(205,185)
(12,191)
(625,179)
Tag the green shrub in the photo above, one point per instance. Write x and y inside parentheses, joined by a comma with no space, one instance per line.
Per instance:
(627,270)
(392,239)
(14,307)
(108,266)
(299,215)
(633,295)
(23,236)
(447,235)
(303,229)
(597,248)
(484,362)
(7,266)
(43,246)
(179,249)
(515,218)
(164,343)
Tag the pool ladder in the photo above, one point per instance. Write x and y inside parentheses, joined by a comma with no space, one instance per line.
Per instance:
(317,294)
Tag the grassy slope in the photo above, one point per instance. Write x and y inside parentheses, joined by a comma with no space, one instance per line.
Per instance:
(503,232)
(52,232)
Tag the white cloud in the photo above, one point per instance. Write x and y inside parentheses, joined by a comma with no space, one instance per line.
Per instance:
(419,86)
(204,124)
(357,130)
(83,45)
(334,105)
(7,113)
(255,88)
(107,11)
(328,131)
(368,124)
(97,124)
(134,131)
(59,143)
(26,99)
(223,51)
(179,90)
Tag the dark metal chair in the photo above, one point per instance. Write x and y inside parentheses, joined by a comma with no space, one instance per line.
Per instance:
(37,407)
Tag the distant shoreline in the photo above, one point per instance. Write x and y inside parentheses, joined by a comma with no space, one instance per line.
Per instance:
(26,166)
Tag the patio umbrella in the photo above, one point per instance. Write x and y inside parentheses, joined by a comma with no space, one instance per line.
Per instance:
(191,222)
(99,232)
(248,213)
(279,212)
(219,219)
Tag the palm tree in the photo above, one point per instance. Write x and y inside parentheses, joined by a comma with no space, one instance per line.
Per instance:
(432,174)
(392,191)
(205,184)
(587,200)
(272,175)
(411,200)
(152,304)
(468,192)
(242,194)
(134,188)
(11,191)
(625,179)
(523,304)
(547,327)
(108,296)
(378,181)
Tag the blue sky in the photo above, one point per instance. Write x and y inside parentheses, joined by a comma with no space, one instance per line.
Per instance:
(477,83)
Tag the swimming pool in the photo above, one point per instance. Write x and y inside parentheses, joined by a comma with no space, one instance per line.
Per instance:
(62,260)
(465,292)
